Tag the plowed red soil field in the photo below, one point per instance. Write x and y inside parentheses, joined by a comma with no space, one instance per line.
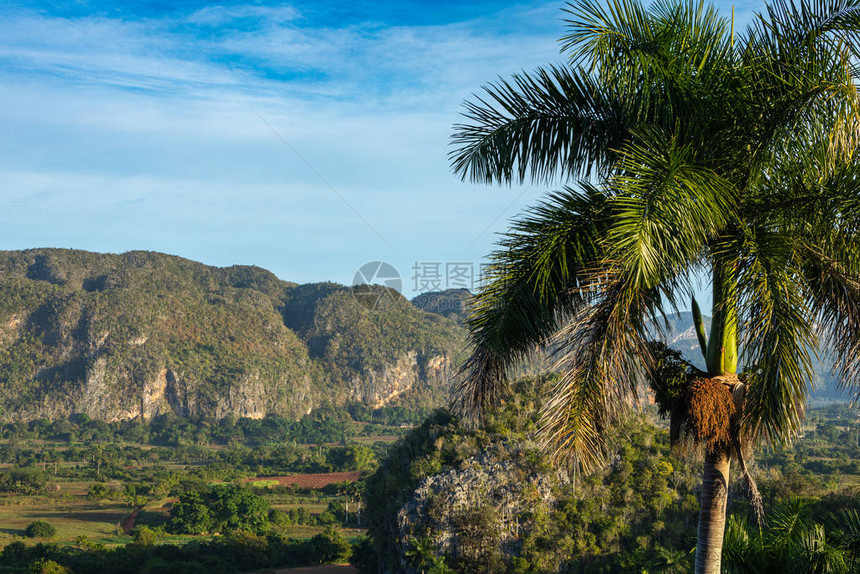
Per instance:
(312,481)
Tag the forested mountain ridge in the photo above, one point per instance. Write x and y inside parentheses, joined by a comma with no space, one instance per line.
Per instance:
(142,333)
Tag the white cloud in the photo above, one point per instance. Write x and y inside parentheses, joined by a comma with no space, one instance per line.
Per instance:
(219,15)
(144,134)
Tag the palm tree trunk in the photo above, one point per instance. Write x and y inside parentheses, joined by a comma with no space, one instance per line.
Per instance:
(721,358)
(712,516)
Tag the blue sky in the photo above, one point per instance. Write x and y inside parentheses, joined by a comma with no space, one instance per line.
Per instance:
(307,137)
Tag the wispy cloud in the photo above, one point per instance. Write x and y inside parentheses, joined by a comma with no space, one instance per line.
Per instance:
(142,130)
(221,15)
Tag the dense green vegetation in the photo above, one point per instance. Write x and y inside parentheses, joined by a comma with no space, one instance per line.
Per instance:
(186,477)
(803,535)
(238,551)
(120,336)
(322,425)
(164,493)
(143,456)
(637,513)
(218,509)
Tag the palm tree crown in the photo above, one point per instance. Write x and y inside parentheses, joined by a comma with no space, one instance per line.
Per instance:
(691,150)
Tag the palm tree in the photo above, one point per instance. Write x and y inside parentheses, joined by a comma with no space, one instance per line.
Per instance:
(670,561)
(793,543)
(685,150)
(421,554)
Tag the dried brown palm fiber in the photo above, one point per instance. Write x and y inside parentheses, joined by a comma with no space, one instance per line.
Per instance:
(710,413)
(715,406)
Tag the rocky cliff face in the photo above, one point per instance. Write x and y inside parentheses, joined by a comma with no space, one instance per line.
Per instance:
(378,388)
(489,493)
(142,334)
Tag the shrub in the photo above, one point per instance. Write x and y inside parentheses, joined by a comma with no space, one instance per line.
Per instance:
(98,490)
(220,508)
(144,535)
(45,566)
(329,546)
(326,518)
(279,518)
(40,529)
(237,508)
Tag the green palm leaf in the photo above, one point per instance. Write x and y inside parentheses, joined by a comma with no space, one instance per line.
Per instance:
(779,334)
(554,122)
(531,286)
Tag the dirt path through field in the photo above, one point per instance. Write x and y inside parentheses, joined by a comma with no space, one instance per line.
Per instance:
(128,523)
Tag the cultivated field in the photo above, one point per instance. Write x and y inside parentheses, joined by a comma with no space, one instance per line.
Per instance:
(309,481)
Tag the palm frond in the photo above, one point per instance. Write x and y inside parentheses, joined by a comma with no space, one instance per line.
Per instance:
(741,547)
(532,284)
(800,76)
(792,24)
(622,37)
(602,359)
(848,529)
(599,33)
(789,522)
(818,554)
(835,295)
(663,65)
(553,122)
(833,268)
(778,333)
(819,206)
(666,209)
